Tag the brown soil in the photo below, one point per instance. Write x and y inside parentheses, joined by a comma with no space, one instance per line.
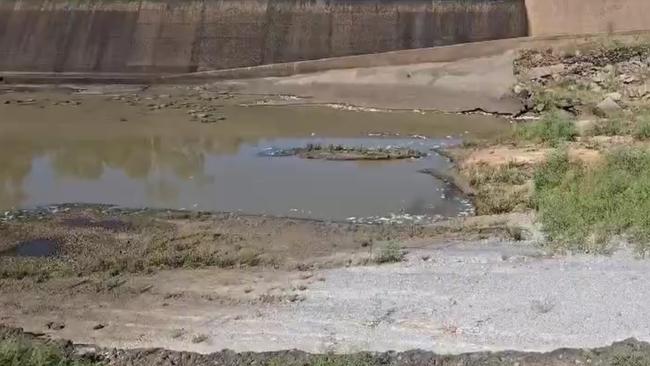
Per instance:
(626,353)
(136,273)
(101,240)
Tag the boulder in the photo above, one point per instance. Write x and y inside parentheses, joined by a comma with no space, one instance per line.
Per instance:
(607,108)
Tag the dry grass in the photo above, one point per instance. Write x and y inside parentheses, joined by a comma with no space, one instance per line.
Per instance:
(199,338)
(389,252)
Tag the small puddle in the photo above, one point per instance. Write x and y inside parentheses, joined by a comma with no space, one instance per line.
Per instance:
(34,248)
(60,155)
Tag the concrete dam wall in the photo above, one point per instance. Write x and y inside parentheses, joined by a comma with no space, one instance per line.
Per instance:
(186,36)
(553,17)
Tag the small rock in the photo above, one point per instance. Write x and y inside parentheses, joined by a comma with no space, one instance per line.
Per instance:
(607,107)
(595,88)
(614,96)
(55,325)
(99,326)
(521,91)
(545,71)
(598,78)
(123,119)
(628,79)
(565,103)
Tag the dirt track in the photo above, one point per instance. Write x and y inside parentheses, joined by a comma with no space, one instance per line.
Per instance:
(447,296)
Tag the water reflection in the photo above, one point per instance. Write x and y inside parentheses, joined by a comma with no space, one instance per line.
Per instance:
(87,153)
(193,172)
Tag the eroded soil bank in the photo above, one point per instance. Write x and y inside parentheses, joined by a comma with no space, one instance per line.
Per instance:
(626,353)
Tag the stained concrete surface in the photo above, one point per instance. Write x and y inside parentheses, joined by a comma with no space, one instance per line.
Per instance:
(482,83)
(172,36)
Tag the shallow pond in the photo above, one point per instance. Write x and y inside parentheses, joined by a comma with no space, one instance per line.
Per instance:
(98,152)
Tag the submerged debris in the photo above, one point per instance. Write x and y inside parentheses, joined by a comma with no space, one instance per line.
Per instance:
(340,152)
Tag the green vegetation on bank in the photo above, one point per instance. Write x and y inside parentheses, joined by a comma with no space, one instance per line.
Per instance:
(635,123)
(500,190)
(21,352)
(389,252)
(553,129)
(583,207)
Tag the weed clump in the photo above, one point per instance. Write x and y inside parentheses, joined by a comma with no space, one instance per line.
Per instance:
(510,173)
(500,189)
(20,352)
(552,129)
(613,126)
(199,338)
(390,252)
(494,199)
(642,129)
(582,208)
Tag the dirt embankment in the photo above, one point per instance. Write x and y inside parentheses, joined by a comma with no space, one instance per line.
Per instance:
(72,240)
(626,353)
(587,124)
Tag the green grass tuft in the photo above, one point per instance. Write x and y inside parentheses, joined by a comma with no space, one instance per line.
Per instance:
(390,252)
(613,126)
(510,173)
(552,129)
(582,208)
(20,352)
(642,129)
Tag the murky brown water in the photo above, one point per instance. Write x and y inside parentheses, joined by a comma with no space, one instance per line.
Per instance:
(109,152)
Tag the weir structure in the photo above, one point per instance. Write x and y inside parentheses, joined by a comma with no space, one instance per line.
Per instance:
(184,36)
